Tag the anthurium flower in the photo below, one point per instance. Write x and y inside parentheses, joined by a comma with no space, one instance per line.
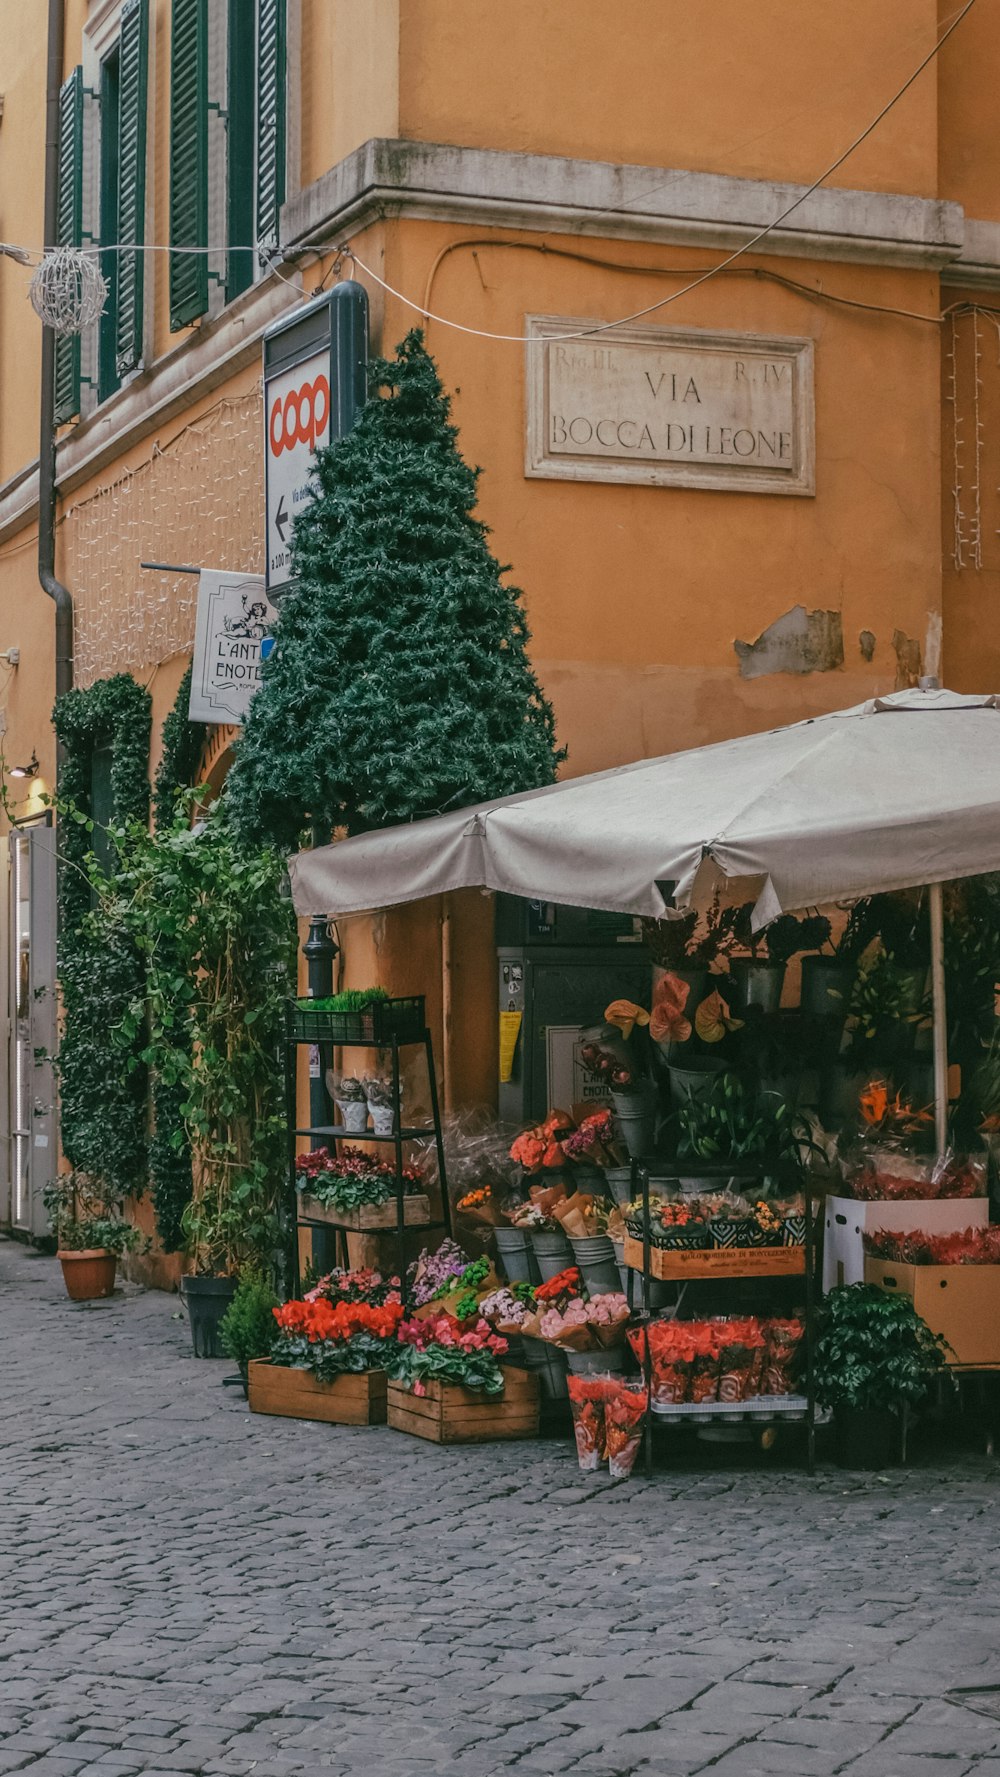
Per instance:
(625,1015)
(874,1101)
(713,1018)
(667,1021)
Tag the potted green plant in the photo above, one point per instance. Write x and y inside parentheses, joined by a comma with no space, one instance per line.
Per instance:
(378,1092)
(349,1096)
(758,976)
(91,1235)
(828,972)
(734,1122)
(873,1352)
(248,1329)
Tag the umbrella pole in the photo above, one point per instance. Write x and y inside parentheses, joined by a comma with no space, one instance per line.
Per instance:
(940,1013)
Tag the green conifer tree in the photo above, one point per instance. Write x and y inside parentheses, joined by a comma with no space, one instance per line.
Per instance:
(399,685)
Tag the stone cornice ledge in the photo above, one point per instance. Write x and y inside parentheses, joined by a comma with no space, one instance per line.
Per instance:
(545,192)
(978,265)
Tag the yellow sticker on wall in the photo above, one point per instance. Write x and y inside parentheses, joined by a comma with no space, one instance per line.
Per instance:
(510,1030)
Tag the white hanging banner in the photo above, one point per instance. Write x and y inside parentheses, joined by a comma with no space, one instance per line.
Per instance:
(232,637)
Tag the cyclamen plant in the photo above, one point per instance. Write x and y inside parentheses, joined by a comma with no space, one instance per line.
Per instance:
(350,1180)
(336,1339)
(440,1349)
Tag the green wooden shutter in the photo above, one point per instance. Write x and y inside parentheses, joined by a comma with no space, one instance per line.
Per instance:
(241,100)
(188,160)
(132,81)
(270,119)
(70,234)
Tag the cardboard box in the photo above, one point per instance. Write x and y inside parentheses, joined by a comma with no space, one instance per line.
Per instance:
(962,1302)
(845,1221)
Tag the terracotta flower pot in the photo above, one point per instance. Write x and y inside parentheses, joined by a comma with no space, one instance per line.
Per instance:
(88,1274)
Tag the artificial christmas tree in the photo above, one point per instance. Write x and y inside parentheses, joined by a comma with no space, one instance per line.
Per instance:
(399,684)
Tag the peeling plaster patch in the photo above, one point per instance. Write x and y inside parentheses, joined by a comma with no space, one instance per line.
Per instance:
(867,641)
(800,641)
(907,660)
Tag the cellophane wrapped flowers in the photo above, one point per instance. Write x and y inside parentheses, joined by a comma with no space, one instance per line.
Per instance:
(443,1349)
(719,1360)
(884,1175)
(969,1246)
(607,1422)
(336,1338)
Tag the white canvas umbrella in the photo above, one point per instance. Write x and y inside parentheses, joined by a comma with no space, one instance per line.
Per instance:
(897,793)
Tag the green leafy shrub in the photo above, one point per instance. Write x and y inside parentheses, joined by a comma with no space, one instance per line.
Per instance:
(248,1326)
(873,1350)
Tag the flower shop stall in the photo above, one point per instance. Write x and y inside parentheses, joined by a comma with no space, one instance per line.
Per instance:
(657,1246)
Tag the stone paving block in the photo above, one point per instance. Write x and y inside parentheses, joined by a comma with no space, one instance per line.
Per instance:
(307,1601)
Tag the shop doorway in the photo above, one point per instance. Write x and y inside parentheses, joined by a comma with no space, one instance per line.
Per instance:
(31,1146)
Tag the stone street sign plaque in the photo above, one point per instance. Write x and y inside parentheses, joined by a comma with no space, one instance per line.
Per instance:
(670,407)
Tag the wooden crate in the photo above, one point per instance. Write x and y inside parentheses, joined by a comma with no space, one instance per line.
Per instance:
(295,1394)
(416,1210)
(674,1264)
(447,1414)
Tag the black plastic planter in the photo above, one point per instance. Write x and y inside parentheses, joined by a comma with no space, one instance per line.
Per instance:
(866,1437)
(206,1300)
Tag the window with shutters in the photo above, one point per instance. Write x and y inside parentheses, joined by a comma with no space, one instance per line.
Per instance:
(228,68)
(114,147)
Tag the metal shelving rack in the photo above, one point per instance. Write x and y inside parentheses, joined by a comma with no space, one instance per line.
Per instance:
(388,1025)
(762,1408)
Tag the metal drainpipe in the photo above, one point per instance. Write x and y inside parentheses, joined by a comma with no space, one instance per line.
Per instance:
(47,431)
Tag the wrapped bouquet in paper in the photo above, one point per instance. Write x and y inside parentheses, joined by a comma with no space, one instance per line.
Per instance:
(571,1214)
(479,1205)
(596,1140)
(507,1310)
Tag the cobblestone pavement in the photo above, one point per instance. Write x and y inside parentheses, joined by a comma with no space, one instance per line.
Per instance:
(184,1588)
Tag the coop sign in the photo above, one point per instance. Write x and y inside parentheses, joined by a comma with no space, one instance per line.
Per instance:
(231,641)
(670,407)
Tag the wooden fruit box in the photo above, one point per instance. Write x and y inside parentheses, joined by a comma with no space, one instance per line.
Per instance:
(295,1394)
(675,1264)
(416,1209)
(447,1414)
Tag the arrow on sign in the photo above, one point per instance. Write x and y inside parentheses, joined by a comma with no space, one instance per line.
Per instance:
(281,519)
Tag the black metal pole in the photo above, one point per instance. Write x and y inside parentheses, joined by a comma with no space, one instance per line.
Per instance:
(320,951)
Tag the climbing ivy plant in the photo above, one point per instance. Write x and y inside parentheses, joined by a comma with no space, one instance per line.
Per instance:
(217,938)
(102,1090)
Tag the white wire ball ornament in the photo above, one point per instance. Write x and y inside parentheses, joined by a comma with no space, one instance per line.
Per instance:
(68,291)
